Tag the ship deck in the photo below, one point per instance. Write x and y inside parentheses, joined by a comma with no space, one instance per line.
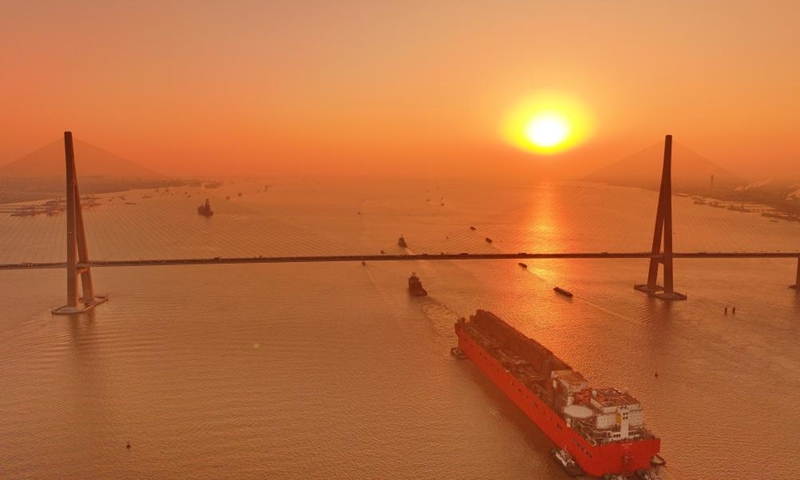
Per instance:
(502,342)
(522,368)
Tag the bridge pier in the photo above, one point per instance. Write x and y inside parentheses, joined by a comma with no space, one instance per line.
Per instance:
(663,232)
(77,251)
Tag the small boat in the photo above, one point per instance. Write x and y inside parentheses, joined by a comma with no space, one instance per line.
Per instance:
(456,352)
(565,460)
(205,210)
(648,475)
(472,228)
(488,240)
(523,265)
(401,242)
(415,286)
(562,291)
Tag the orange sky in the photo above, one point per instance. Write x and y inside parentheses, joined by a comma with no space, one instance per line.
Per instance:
(387,87)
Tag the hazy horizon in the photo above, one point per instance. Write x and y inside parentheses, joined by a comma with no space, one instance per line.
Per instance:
(642,167)
(399,89)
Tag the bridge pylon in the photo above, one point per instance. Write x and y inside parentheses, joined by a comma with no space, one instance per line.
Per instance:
(663,234)
(77,251)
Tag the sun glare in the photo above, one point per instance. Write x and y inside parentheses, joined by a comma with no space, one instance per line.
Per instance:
(547,130)
(547,124)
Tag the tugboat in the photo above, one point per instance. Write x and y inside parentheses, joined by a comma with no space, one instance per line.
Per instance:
(401,242)
(205,210)
(415,285)
(649,475)
(565,460)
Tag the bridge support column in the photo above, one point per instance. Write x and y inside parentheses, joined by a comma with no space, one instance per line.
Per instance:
(796,285)
(77,251)
(663,234)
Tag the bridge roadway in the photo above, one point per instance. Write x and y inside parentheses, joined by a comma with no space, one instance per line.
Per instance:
(392,258)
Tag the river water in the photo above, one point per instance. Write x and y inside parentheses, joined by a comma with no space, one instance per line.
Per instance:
(330,370)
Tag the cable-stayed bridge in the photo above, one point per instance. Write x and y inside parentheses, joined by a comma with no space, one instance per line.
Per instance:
(274,240)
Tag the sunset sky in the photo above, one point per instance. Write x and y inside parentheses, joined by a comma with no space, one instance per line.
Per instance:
(236,87)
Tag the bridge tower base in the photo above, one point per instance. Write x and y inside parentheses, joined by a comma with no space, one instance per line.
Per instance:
(663,232)
(77,252)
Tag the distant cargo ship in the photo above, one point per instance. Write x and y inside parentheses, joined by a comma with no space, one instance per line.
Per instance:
(600,429)
(562,291)
(205,210)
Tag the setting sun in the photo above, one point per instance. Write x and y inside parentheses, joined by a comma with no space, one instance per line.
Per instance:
(547,123)
(547,130)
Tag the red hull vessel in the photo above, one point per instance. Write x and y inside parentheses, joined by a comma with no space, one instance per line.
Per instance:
(601,429)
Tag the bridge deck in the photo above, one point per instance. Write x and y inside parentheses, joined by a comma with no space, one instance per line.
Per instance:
(390,258)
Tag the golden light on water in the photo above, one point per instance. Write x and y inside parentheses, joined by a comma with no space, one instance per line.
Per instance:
(547,123)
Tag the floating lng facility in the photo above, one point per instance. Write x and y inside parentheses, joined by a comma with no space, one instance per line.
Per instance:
(600,429)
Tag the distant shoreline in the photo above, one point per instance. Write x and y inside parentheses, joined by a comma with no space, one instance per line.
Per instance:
(26,189)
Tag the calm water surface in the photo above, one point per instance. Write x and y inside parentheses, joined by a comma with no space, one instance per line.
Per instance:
(299,371)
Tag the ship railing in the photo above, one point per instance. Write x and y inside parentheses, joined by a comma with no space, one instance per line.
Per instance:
(600,437)
(594,436)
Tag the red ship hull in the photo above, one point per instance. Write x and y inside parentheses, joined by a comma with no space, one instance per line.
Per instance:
(619,458)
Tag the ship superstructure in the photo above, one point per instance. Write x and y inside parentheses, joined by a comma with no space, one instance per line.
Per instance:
(602,429)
